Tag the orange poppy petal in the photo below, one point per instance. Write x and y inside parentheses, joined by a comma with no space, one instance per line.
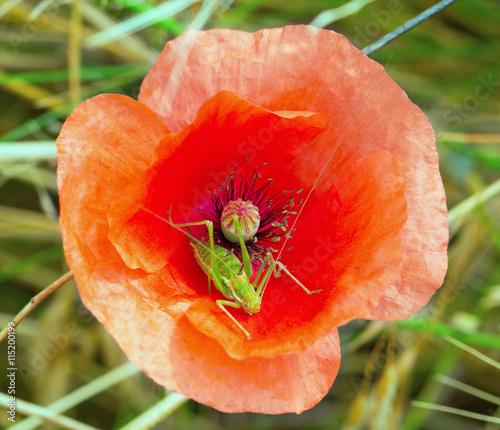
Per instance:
(102,148)
(286,383)
(139,277)
(301,68)
(176,355)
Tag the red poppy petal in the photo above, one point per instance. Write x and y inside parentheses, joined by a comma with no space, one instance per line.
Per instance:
(191,162)
(351,255)
(363,213)
(302,68)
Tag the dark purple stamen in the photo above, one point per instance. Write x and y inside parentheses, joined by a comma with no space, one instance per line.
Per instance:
(274,210)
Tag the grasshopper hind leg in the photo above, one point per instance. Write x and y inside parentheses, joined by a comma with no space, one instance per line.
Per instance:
(283,267)
(210,228)
(222,303)
(276,267)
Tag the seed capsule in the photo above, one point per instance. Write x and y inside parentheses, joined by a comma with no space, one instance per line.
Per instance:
(248,218)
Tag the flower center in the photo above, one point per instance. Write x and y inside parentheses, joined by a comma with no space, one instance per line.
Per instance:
(248,218)
(263,216)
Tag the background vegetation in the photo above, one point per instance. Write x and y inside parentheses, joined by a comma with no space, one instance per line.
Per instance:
(56,53)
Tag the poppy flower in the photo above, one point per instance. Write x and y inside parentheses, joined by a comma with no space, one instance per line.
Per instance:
(311,112)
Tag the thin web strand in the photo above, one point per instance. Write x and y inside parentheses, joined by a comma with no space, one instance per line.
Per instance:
(327,163)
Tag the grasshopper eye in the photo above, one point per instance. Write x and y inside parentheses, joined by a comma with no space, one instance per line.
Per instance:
(248,308)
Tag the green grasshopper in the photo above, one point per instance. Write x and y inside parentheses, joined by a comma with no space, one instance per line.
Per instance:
(228,274)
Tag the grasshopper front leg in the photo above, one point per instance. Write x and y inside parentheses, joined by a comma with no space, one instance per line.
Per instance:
(222,303)
(247,262)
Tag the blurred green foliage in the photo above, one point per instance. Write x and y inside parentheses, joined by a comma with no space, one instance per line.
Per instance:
(449,66)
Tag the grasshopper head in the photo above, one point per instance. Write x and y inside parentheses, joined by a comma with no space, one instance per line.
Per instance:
(251,303)
(245,293)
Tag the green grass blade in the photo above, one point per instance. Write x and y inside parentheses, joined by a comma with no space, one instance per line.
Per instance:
(28,224)
(35,125)
(455,411)
(82,394)
(24,407)
(468,389)
(156,413)
(93,73)
(31,262)
(137,23)
(22,151)
(168,24)
(8,6)
(486,157)
(207,9)
(331,15)
(42,6)
(467,205)
(474,352)
(480,339)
